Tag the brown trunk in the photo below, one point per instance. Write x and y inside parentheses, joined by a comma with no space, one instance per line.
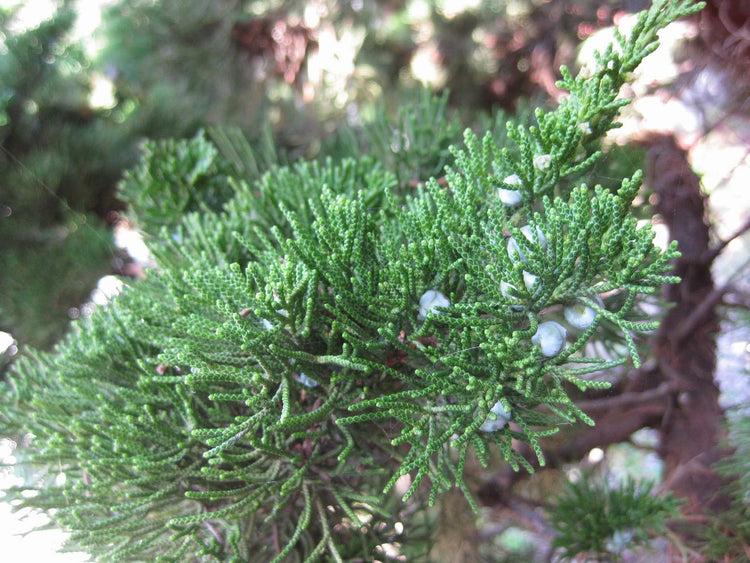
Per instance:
(457,539)
(685,346)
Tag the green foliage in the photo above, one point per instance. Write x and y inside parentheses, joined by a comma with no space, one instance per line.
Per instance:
(159,474)
(331,328)
(737,466)
(47,274)
(175,177)
(729,535)
(59,161)
(415,144)
(175,63)
(55,147)
(596,518)
(181,66)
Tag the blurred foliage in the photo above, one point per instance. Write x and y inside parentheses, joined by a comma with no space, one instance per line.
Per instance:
(47,277)
(307,66)
(599,518)
(176,68)
(59,160)
(401,143)
(57,151)
(728,536)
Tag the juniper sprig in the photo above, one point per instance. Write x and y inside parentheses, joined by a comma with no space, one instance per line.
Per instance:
(316,330)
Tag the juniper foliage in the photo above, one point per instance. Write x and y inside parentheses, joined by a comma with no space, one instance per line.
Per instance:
(728,536)
(175,177)
(333,327)
(595,518)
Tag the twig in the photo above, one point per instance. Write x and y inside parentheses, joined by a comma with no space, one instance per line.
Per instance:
(712,253)
(518,505)
(705,306)
(685,551)
(442,182)
(213,531)
(738,302)
(703,309)
(643,447)
(275,538)
(625,399)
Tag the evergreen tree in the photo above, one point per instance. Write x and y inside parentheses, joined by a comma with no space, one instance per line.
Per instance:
(59,163)
(316,331)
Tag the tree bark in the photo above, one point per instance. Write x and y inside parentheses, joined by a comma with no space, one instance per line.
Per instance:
(457,539)
(687,358)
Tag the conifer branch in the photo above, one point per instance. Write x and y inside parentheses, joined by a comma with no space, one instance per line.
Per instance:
(312,332)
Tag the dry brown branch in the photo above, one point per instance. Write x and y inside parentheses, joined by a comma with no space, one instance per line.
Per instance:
(712,253)
(625,399)
(706,308)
